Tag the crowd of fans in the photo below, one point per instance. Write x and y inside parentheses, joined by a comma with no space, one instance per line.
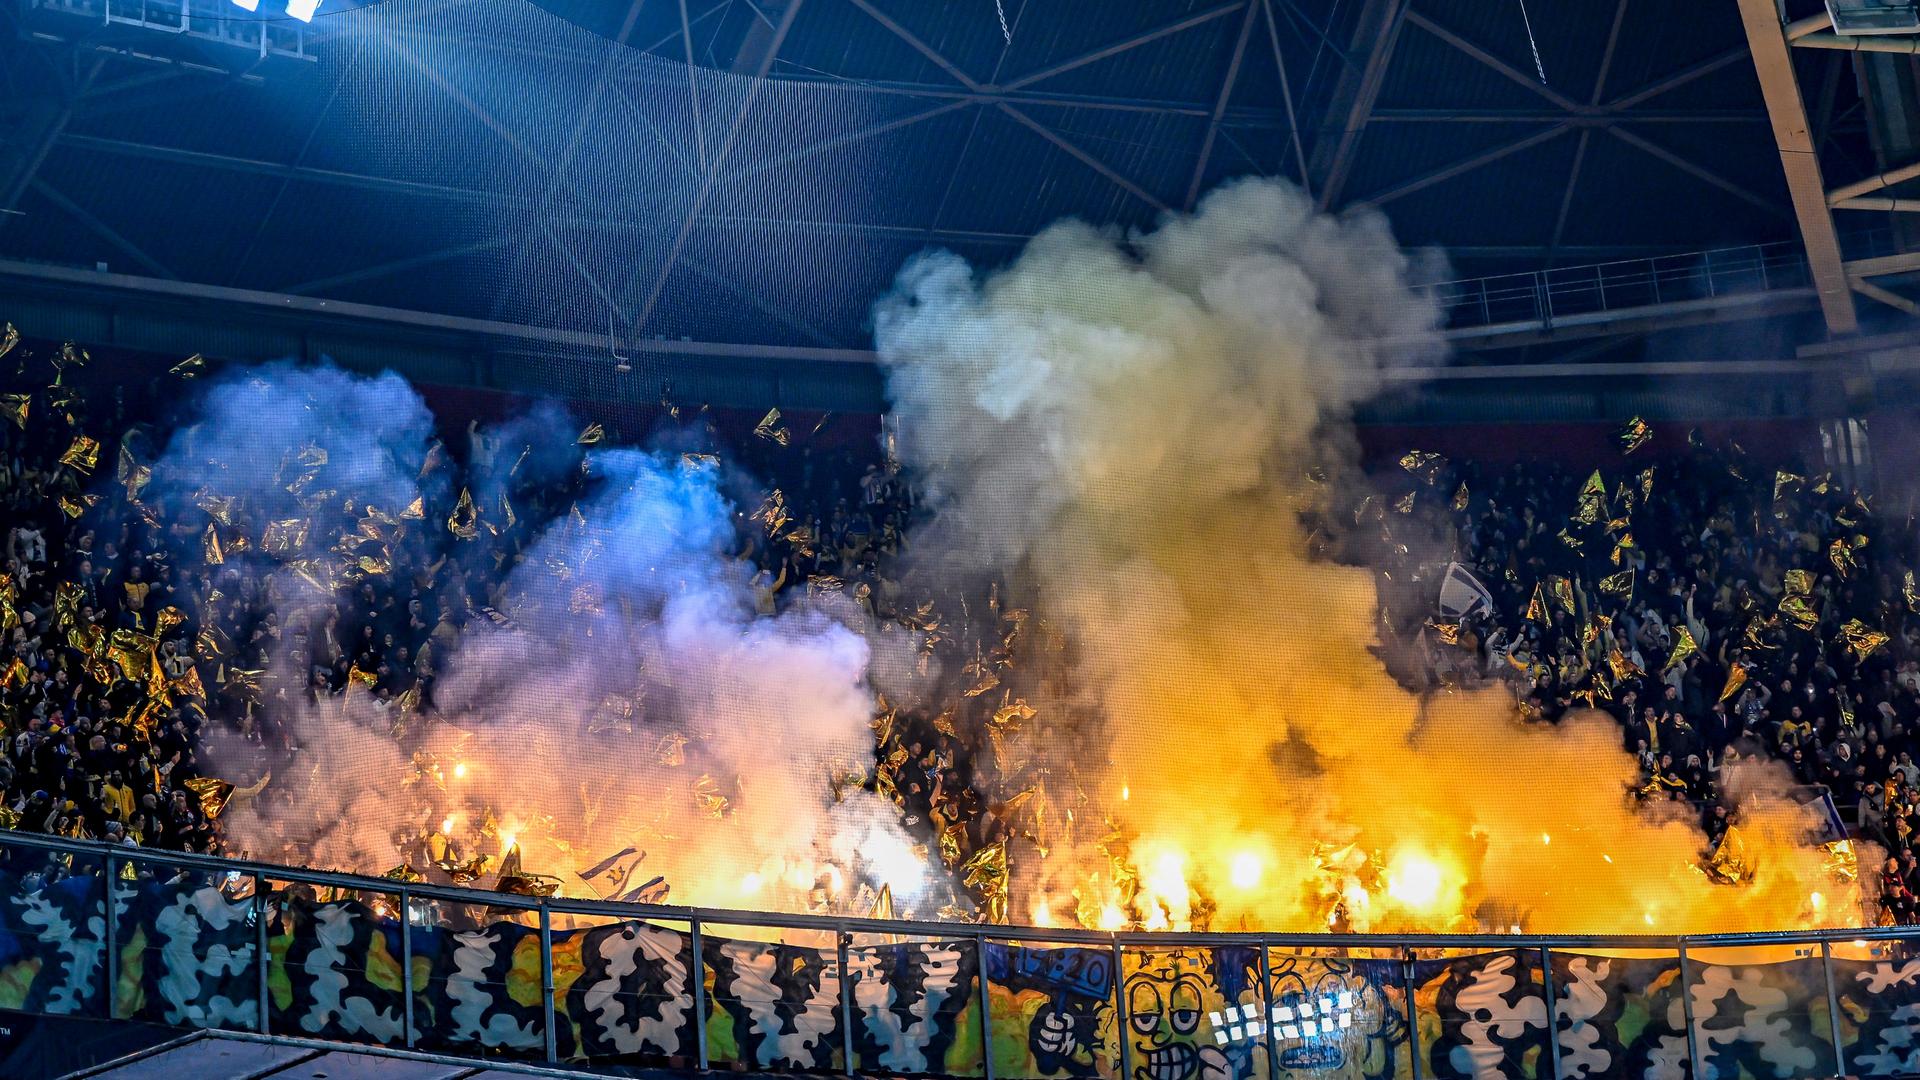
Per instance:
(1717,609)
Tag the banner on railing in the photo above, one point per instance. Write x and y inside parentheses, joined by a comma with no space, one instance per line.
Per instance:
(187,954)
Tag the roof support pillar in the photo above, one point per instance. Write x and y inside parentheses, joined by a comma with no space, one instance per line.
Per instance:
(1773,62)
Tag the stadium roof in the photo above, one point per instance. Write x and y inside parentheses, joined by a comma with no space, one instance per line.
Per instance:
(754,172)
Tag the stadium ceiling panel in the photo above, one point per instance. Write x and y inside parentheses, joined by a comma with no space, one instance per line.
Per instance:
(757,170)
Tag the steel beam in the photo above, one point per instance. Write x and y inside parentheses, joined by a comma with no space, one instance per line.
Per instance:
(1084,158)
(933,55)
(1493,62)
(1118,47)
(1883,43)
(1586,136)
(1353,97)
(712,176)
(1219,105)
(1286,97)
(33,138)
(1601,116)
(1448,172)
(1885,264)
(1697,171)
(102,229)
(1773,62)
(1678,79)
(1880,203)
(693,89)
(1875,182)
(393,266)
(1885,296)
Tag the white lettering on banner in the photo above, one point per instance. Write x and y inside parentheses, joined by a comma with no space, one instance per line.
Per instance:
(904,1050)
(624,955)
(326,964)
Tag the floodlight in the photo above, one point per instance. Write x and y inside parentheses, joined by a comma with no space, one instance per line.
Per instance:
(1874,16)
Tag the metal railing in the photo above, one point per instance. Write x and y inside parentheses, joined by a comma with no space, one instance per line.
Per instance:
(1564,292)
(421,902)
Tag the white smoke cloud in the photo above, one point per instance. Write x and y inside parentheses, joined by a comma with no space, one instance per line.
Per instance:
(632,696)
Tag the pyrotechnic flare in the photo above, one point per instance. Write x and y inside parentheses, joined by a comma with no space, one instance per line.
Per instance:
(1121,428)
(617,690)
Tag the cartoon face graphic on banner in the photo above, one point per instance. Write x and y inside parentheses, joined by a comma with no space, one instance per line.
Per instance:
(1195,1014)
(1338,1018)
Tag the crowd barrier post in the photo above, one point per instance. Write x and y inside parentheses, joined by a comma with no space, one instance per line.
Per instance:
(1833,1008)
(699,992)
(986,1006)
(113,938)
(1267,1011)
(1124,1010)
(1413,1011)
(842,938)
(261,946)
(1686,1010)
(546,982)
(406,965)
(1553,1010)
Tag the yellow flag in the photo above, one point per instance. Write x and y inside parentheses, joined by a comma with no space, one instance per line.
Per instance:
(1736,678)
(1799,611)
(1683,647)
(1730,863)
(1785,484)
(770,428)
(1861,639)
(464,521)
(1423,464)
(1593,500)
(1635,435)
(82,456)
(1841,553)
(1562,590)
(1620,584)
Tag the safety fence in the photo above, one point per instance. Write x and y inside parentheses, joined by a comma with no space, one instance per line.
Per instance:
(198,942)
(1544,296)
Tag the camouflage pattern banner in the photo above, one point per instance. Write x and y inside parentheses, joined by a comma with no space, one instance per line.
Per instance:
(916,1008)
(1482,1015)
(773,1006)
(187,956)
